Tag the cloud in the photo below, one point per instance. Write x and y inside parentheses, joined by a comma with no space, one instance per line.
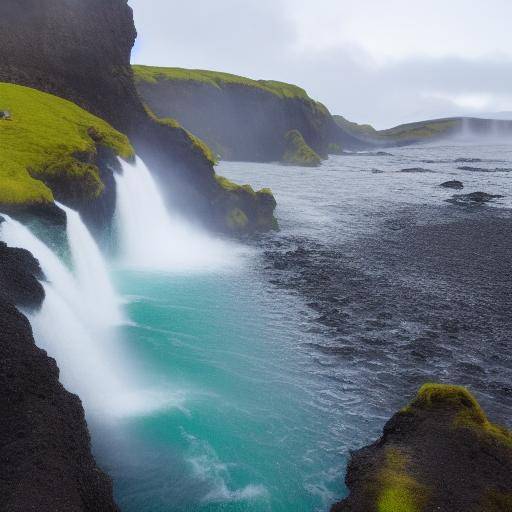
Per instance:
(372,61)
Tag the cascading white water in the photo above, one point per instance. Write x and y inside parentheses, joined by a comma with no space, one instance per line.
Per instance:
(75,323)
(97,292)
(151,238)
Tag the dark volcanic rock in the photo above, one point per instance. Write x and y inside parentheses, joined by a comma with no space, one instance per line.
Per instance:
(453,184)
(439,453)
(19,274)
(46,463)
(80,50)
(45,454)
(475,198)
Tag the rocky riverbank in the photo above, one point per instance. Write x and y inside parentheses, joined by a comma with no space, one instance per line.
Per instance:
(439,453)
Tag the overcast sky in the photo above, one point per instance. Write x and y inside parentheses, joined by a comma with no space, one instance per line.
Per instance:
(382,62)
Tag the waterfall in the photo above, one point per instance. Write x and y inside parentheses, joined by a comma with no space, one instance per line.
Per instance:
(150,237)
(75,323)
(91,272)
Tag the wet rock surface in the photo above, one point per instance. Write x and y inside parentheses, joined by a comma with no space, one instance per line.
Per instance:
(474,198)
(439,453)
(45,453)
(426,298)
(456,184)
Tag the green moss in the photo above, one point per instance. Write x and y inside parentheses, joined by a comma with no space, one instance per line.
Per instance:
(237,220)
(466,410)
(46,139)
(298,152)
(196,143)
(399,491)
(216,79)
(230,186)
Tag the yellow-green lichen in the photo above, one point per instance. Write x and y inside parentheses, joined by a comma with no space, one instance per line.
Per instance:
(48,138)
(298,152)
(466,410)
(399,491)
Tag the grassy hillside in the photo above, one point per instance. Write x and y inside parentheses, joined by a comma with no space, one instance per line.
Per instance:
(410,132)
(217,79)
(48,138)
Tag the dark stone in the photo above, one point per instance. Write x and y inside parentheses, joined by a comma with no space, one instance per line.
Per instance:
(45,453)
(475,198)
(426,453)
(19,277)
(453,184)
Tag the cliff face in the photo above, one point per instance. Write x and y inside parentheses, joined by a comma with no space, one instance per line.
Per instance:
(239,118)
(45,455)
(439,453)
(80,50)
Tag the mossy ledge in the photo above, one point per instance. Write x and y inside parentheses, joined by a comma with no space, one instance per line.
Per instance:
(51,150)
(439,453)
(298,152)
(244,210)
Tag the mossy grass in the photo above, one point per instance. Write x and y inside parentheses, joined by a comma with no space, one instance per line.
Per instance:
(298,152)
(410,131)
(197,144)
(150,74)
(49,138)
(398,490)
(466,411)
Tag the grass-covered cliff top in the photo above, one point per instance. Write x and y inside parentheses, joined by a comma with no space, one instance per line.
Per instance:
(411,131)
(218,79)
(47,137)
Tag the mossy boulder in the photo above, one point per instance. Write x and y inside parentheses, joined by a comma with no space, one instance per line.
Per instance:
(439,453)
(50,150)
(297,152)
(244,210)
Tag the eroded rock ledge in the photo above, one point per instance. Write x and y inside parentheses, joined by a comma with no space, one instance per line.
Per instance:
(46,463)
(440,453)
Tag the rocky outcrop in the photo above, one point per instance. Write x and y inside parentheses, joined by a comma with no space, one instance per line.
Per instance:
(239,118)
(439,453)
(45,454)
(456,184)
(473,198)
(297,152)
(81,51)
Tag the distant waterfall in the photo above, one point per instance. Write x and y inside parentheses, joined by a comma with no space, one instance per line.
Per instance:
(75,322)
(151,238)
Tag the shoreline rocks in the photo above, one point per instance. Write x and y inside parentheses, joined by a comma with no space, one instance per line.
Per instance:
(456,184)
(473,198)
(439,453)
(46,462)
